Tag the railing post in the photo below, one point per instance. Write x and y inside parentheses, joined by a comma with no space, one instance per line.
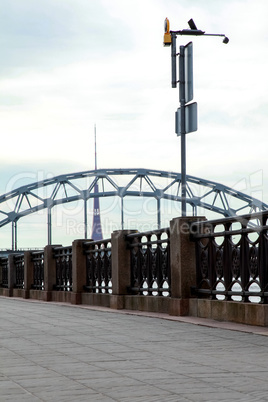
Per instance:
(28,274)
(11,274)
(79,270)
(182,264)
(121,268)
(49,272)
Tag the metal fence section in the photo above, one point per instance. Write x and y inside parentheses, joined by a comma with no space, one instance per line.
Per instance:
(150,262)
(19,271)
(232,258)
(63,256)
(38,270)
(4,266)
(98,266)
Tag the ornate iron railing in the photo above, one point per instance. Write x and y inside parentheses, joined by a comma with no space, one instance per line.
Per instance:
(98,266)
(63,256)
(38,270)
(150,262)
(232,258)
(19,271)
(4,266)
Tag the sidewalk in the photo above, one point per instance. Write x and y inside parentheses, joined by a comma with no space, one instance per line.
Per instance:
(59,352)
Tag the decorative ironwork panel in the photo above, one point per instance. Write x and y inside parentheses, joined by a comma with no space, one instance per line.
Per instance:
(98,266)
(38,270)
(150,263)
(235,268)
(4,266)
(19,271)
(63,256)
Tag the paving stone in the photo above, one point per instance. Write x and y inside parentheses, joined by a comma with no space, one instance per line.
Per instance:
(59,352)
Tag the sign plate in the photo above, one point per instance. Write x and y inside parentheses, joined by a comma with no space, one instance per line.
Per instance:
(190,119)
(188,69)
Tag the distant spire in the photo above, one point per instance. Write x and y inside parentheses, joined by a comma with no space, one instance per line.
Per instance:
(95,148)
(96,226)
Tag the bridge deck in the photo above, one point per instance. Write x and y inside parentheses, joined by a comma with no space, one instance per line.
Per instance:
(59,352)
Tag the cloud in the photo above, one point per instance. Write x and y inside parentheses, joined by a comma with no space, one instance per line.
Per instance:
(67,65)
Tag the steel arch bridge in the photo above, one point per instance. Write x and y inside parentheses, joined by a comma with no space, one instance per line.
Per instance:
(160,185)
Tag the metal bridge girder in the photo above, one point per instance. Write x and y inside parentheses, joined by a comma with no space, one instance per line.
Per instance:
(19,202)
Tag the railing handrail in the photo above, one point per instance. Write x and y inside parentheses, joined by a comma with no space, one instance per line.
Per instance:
(147,233)
(61,248)
(232,219)
(97,242)
(234,232)
(37,252)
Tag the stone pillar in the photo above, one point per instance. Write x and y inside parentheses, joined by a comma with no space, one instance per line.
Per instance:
(49,272)
(79,270)
(182,264)
(11,274)
(28,274)
(121,269)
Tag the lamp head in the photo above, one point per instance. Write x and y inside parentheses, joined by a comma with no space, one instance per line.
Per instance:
(192,24)
(225,40)
(167,35)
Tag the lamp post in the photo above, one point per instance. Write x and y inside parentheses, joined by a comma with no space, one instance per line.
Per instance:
(186,115)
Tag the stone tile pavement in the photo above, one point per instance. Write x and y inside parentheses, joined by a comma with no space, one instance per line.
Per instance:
(59,352)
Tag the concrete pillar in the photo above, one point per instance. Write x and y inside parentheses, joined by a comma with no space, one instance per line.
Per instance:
(121,268)
(28,274)
(79,270)
(182,264)
(49,272)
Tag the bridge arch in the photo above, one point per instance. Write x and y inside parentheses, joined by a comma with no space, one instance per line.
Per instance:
(122,183)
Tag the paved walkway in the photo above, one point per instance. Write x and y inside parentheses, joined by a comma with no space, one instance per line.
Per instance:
(58,352)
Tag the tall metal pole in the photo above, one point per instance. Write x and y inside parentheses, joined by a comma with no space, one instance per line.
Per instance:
(158,213)
(183,130)
(173,61)
(14,236)
(122,213)
(49,226)
(85,217)
(186,91)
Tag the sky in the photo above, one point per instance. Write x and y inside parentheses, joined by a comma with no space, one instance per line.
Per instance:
(67,65)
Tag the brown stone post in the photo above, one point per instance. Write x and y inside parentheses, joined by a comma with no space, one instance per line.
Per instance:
(49,272)
(11,274)
(79,270)
(28,274)
(121,270)
(182,263)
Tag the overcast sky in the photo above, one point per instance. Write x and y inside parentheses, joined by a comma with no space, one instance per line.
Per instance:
(68,64)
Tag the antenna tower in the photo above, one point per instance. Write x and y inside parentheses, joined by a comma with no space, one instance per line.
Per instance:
(96,226)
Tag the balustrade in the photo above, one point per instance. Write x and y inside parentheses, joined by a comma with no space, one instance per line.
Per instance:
(63,256)
(19,271)
(98,266)
(150,263)
(4,269)
(232,258)
(38,270)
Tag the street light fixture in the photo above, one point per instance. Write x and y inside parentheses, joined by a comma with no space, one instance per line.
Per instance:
(186,115)
(192,32)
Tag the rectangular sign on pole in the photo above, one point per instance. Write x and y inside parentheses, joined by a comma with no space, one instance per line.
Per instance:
(190,119)
(188,66)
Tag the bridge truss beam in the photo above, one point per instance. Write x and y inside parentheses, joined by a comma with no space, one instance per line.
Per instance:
(160,185)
